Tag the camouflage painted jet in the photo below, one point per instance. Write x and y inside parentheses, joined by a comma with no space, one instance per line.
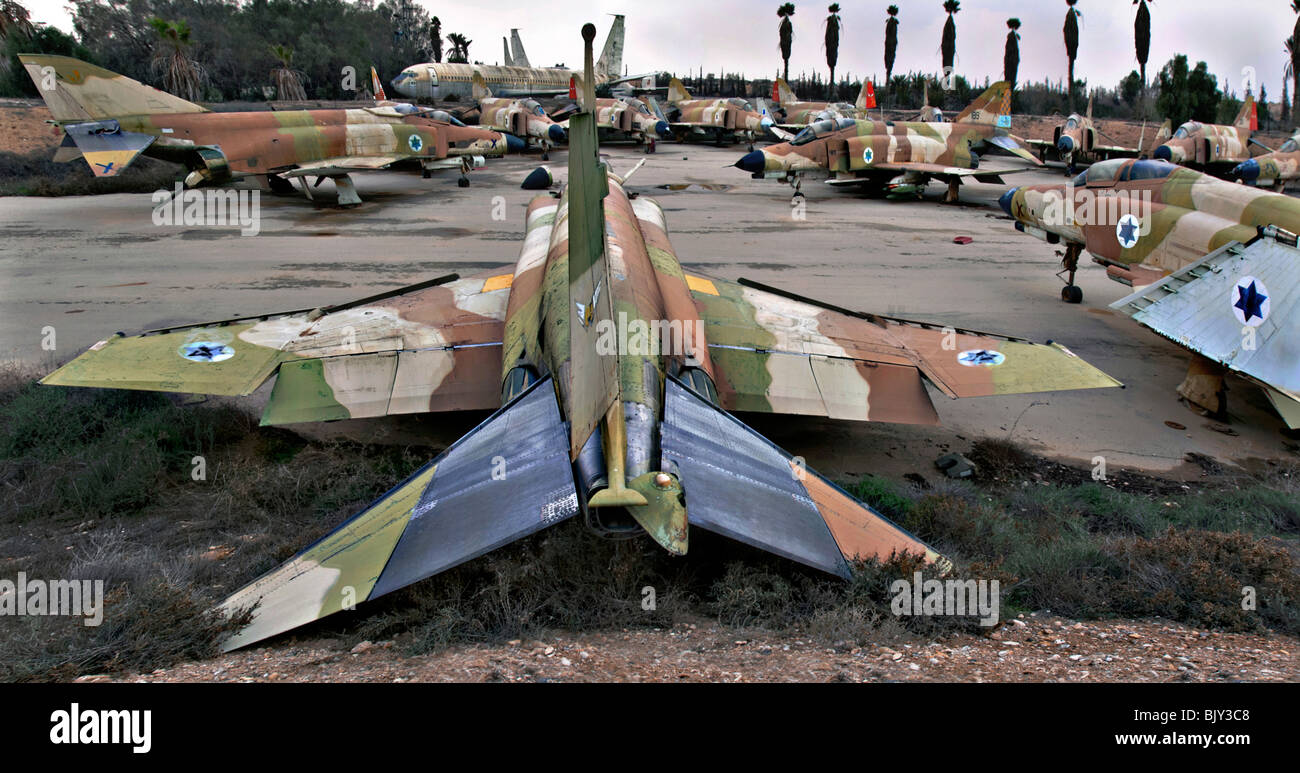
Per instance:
(523,121)
(1211,147)
(1146,219)
(1075,140)
(724,120)
(899,158)
(613,371)
(109,119)
(623,118)
(1276,166)
(792,114)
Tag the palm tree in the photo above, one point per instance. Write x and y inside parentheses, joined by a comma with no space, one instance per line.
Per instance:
(1293,66)
(435,38)
(288,81)
(949,44)
(14,18)
(1142,37)
(786,31)
(832,42)
(1072,46)
(459,48)
(1011,57)
(891,41)
(1292,71)
(180,75)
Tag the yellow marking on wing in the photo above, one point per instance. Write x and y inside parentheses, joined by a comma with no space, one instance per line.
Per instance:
(699,284)
(498,282)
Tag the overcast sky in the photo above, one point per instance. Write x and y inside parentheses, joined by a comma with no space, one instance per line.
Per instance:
(741,35)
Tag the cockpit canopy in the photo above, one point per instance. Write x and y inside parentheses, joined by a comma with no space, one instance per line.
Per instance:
(1121,170)
(1071,123)
(1290,146)
(636,105)
(821,129)
(740,103)
(532,106)
(1187,130)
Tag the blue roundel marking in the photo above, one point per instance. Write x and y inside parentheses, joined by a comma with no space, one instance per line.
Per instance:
(415,142)
(976,357)
(1127,231)
(206,351)
(1250,301)
(868,155)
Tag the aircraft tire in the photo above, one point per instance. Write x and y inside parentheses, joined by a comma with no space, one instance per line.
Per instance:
(1072,294)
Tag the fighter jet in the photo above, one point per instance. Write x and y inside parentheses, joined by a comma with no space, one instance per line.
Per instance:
(1211,147)
(613,371)
(899,158)
(1276,166)
(109,119)
(622,118)
(725,120)
(1075,140)
(791,114)
(523,121)
(1146,219)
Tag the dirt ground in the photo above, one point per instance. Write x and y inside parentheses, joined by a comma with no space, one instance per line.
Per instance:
(23,128)
(1032,648)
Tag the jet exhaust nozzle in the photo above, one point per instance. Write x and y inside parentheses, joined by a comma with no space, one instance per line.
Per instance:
(515,144)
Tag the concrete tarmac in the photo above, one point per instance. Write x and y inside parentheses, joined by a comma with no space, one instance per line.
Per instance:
(90,266)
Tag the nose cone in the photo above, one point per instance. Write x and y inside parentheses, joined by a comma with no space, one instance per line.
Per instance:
(1247,170)
(1163,153)
(515,144)
(1005,200)
(1065,144)
(662,128)
(754,163)
(557,133)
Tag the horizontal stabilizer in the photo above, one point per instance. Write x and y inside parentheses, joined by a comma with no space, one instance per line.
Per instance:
(508,478)
(106,147)
(740,485)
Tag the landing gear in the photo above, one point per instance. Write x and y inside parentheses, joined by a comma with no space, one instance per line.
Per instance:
(796,183)
(751,147)
(1071,293)
(954,186)
(546,156)
(427,173)
(280,186)
(462,182)
(347,192)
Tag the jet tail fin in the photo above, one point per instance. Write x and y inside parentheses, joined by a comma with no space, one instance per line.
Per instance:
(993,107)
(677,91)
(866,96)
(784,94)
(610,65)
(1166,131)
(738,484)
(450,511)
(376,86)
(1247,118)
(517,55)
(479,87)
(506,59)
(78,91)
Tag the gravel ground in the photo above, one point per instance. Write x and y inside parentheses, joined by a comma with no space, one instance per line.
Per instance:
(1033,648)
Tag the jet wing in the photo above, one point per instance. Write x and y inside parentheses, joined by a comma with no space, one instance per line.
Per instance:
(342,165)
(1238,306)
(435,346)
(454,509)
(937,171)
(775,352)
